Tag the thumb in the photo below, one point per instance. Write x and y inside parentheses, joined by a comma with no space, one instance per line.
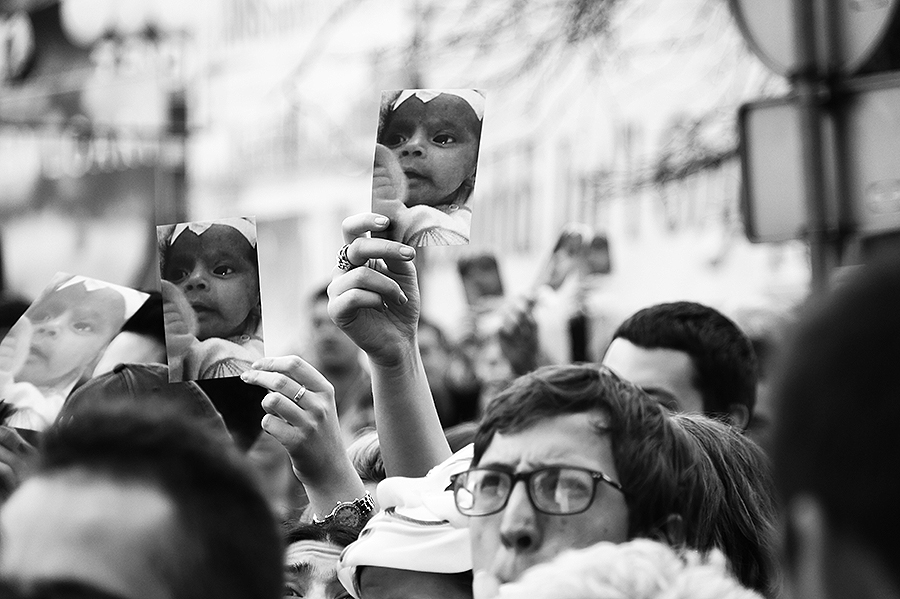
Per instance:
(390,166)
(14,347)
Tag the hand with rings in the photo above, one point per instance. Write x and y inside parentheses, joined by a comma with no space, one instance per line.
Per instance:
(302,416)
(377,306)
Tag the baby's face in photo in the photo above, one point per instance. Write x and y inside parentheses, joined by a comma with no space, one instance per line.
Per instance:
(71,326)
(218,274)
(436,143)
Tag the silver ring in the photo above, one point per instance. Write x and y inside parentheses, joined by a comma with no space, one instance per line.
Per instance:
(343,262)
(299,394)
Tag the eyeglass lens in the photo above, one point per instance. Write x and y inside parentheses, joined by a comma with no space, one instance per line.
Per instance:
(552,490)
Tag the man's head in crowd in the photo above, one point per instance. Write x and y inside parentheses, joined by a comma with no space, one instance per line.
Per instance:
(623,462)
(834,446)
(311,560)
(688,356)
(142,505)
(629,470)
(332,349)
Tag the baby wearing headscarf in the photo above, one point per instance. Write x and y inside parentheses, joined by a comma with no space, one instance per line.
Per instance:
(211,298)
(425,164)
(57,343)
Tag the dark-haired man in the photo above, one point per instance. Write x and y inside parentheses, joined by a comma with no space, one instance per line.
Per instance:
(340,360)
(141,504)
(311,559)
(690,357)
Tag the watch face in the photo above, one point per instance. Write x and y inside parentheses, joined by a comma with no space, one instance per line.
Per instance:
(347,515)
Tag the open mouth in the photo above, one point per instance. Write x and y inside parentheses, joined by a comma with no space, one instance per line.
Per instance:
(37,352)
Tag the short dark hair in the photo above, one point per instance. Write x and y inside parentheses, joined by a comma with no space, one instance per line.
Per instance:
(331,532)
(721,353)
(228,539)
(837,402)
(649,452)
(735,508)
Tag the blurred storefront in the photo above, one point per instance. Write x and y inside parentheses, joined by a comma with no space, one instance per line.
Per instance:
(90,158)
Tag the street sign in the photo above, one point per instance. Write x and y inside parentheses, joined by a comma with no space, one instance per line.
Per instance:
(873,152)
(858,26)
(773,188)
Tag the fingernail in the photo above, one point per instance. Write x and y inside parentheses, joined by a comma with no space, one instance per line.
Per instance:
(402,299)
(245,376)
(381,221)
(407,252)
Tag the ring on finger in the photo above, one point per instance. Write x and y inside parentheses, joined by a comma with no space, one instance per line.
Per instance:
(343,262)
(299,394)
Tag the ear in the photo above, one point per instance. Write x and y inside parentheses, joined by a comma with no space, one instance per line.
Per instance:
(807,533)
(673,531)
(738,415)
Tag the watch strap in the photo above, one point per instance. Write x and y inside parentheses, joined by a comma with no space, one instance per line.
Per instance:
(364,506)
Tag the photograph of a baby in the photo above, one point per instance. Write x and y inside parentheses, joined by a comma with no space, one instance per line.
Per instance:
(425,161)
(56,344)
(211,299)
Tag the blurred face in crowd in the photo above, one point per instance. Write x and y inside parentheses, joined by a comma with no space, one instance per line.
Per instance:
(333,349)
(435,355)
(667,375)
(310,571)
(376,582)
(436,143)
(70,327)
(218,274)
(507,543)
(80,527)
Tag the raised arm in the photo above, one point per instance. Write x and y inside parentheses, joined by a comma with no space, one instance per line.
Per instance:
(375,301)
(302,416)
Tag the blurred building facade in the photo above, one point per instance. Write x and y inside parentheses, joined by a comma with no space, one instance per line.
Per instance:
(627,128)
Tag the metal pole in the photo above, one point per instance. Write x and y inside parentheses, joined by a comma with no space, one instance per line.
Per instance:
(809,87)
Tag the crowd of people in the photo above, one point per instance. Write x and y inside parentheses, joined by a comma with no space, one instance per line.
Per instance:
(391,461)
(639,477)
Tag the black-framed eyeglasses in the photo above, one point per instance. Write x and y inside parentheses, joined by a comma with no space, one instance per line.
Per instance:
(556,490)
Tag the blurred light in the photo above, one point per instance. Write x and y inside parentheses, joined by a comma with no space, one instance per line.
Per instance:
(86,21)
(20,168)
(131,17)
(173,15)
